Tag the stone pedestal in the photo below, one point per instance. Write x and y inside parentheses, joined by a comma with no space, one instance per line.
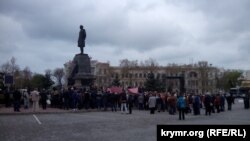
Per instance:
(81,76)
(83,63)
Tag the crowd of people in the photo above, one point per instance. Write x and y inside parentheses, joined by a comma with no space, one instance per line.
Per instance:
(189,103)
(99,99)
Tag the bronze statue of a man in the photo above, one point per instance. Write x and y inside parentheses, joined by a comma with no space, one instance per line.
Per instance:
(81,38)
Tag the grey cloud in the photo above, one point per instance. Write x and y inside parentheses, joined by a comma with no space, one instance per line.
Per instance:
(244,49)
(226,16)
(42,20)
(170,31)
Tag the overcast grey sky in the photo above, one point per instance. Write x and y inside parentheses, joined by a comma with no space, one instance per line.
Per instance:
(42,34)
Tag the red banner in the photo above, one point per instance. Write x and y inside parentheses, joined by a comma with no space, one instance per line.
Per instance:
(114,89)
(133,90)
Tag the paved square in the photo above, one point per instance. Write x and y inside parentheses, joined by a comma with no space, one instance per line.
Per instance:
(105,126)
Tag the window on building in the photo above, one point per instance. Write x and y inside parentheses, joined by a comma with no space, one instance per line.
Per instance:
(104,71)
(136,75)
(136,84)
(211,75)
(130,75)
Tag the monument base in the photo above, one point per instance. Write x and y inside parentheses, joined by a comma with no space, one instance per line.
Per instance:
(83,83)
(81,76)
(77,84)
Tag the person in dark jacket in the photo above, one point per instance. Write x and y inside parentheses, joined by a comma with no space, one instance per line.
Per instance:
(208,104)
(246,100)
(99,100)
(213,105)
(113,101)
(158,102)
(196,104)
(229,98)
(43,99)
(130,103)
(141,101)
(75,96)
(86,99)
(123,102)
(66,99)
(217,102)
(17,99)
(105,101)
(222,102)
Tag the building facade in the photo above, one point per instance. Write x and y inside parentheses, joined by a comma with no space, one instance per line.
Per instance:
(198,78)
(245,79)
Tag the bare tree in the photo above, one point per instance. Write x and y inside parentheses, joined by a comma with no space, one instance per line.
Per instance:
(48,78)
(128,64)
(27,76)
(27,73)
(124,63)
(5,68)
(58,74)
(14,66)
(151,63)
(48,73)
(10,67)
(22,78)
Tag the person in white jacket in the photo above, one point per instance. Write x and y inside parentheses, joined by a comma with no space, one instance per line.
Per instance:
(35,99)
